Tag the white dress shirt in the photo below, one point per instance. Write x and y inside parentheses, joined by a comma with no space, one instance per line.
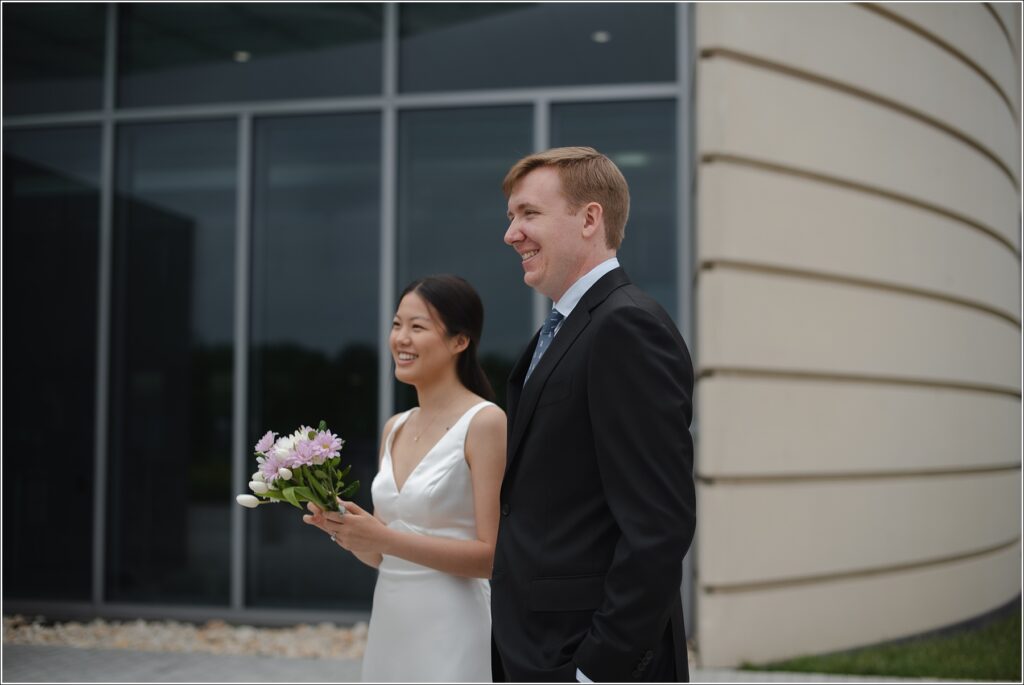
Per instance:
(577,290)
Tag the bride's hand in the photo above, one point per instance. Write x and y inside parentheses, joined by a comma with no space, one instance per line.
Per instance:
(357,530)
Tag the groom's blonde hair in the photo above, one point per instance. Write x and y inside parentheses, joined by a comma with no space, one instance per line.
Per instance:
(587,176)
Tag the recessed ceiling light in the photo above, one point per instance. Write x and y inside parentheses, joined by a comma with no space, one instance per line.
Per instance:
(242,56)
(600,36)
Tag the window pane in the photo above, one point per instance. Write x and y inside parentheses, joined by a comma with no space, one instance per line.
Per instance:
(451,219)
(640,137)
(51,216)
(316,256)
(459,46)
(182,53)
(172,346)
(53,57)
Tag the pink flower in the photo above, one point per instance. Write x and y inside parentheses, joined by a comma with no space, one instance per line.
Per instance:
(266,442)
(269,467)
(328,445)
(305,453)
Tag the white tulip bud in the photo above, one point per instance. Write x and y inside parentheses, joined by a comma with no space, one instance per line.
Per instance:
(257,476)
(248,501)
(284,473)
(259,487)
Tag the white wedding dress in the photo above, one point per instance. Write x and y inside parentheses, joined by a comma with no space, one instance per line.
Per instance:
(428,626)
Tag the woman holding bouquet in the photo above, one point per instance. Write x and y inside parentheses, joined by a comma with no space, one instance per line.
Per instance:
(435,497)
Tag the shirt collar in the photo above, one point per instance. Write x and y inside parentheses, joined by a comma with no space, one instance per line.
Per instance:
(578,289)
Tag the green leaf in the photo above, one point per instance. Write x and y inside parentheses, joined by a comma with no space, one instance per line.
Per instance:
(344,471)
(350,491)
(323,425)
(289,494)
(318,486)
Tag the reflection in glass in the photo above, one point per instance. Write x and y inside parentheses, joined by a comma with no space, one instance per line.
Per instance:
(640,137)
(451,219)
(171,361)
(51,216)
(53,57)
(178,53)
(456,46)
(316,247)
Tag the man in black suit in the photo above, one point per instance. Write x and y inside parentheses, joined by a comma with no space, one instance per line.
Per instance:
(597,504)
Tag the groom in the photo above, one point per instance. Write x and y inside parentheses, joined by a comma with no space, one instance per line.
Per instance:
(597,504)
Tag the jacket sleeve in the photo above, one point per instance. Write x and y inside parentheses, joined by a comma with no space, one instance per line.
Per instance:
(640,386)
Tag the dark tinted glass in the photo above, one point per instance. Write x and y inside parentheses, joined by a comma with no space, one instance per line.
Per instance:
(171,360)
(51,215)
(315,274)
(451,219)
(53,57)
(640,137)
(459,46)
(180,53)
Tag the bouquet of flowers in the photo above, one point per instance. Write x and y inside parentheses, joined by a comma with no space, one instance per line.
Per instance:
(301,467)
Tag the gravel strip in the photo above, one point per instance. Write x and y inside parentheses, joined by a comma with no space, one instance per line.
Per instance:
(324,640)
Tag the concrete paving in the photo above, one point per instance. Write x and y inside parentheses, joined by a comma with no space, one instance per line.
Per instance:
(58,664)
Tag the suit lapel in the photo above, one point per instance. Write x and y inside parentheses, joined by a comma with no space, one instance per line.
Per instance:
(523,399)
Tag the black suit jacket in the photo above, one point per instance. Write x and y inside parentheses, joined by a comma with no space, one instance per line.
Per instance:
(598,506)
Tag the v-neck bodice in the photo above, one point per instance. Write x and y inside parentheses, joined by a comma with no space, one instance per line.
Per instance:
(437,496)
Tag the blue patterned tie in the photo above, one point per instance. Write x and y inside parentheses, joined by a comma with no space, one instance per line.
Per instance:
(547,333)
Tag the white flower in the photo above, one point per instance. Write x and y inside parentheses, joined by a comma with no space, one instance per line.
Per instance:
(258,486)
(248,501)
(284,473)
(258,476)
(285,444)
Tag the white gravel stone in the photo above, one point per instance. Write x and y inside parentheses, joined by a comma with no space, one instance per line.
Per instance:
(324,640)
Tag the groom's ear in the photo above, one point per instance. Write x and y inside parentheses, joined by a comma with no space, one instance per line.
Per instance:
(593,219)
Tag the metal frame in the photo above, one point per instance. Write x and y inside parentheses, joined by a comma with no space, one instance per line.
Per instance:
(389,104)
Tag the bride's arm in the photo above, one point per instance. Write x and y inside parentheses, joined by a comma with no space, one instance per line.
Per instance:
(364,535)
(315,517)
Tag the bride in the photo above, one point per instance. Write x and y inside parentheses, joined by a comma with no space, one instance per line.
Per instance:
(435,497)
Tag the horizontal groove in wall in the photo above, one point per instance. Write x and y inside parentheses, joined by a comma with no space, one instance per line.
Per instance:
(808,274)
(951,49)
(717,157)
(854,91)
(796,374)
(858,574)
(853,476)
(1003,28)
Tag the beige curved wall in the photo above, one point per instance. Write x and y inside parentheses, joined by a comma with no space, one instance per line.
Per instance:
(859,323)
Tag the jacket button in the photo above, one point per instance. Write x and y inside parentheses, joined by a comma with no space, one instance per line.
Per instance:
(505,509)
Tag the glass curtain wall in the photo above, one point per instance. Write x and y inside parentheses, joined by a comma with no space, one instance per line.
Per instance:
(313,347)
(451,220)
(228,197)
(171,351)
(51,201)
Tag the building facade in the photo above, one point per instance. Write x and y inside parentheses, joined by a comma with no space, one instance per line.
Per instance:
(210,208)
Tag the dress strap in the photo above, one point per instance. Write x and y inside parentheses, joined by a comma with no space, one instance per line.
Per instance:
(402,418)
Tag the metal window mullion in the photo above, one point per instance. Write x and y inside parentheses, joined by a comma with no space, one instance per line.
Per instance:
(239,470)
(686,240)
(541,141)
(356,103)
(388,213)
(103,305)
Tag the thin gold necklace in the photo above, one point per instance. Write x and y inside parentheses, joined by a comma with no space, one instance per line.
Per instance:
(416,438)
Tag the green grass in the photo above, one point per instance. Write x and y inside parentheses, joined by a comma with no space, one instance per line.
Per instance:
(991,652)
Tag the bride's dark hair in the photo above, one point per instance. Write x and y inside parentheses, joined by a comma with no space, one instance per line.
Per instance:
(461,312)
